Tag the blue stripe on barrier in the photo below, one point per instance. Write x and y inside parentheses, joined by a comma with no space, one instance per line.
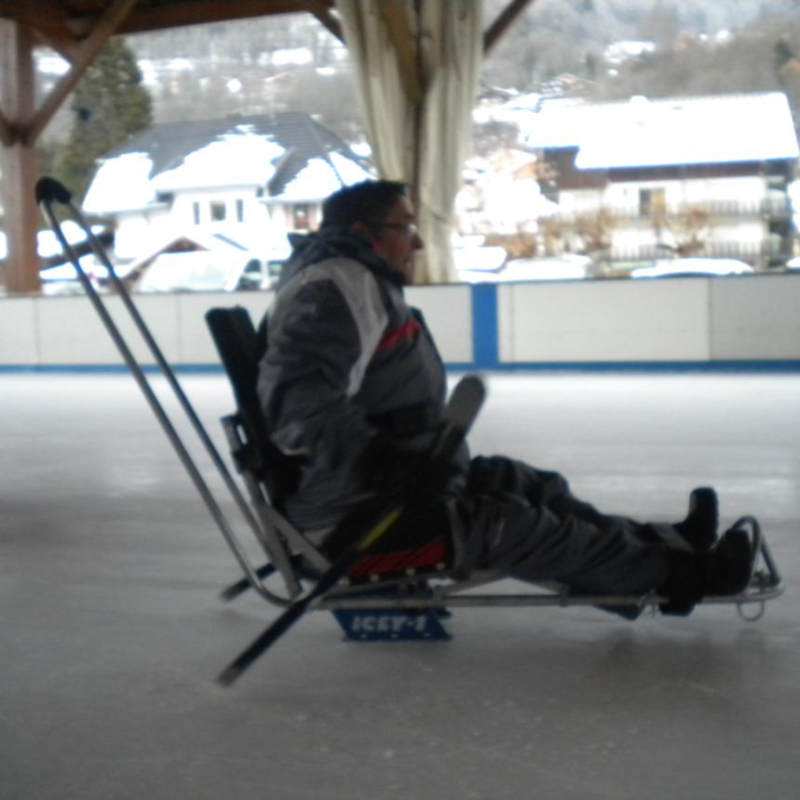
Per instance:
(106,369)
(485,347)
(765,366)
(485,354)
(754,366)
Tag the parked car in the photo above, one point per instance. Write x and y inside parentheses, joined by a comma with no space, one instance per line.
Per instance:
(693,267)
(559,268)
(63,279)
(203,271)
(476,262)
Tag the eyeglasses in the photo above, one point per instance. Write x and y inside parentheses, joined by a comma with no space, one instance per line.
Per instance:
(406,228)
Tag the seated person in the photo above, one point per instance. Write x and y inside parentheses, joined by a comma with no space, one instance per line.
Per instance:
(353,389)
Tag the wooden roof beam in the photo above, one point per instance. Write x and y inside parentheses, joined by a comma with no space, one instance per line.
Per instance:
(330,22)
(505,19)
(59,39)
(33,14)
(49,15)
(87,51)
(203,12)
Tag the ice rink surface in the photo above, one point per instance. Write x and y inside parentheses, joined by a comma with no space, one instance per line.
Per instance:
(112,631)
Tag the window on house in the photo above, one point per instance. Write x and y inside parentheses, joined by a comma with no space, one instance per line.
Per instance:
(301,216)
(217,211)
(196,213)
(652,202)
(240,210)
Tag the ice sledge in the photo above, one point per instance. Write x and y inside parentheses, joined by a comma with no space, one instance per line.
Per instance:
(410,600)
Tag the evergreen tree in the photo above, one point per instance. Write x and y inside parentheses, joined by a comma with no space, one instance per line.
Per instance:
(109,104)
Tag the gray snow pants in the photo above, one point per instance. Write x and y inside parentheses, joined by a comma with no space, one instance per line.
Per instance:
(527,523)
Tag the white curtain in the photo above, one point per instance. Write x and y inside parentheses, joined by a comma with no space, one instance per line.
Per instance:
(451,34)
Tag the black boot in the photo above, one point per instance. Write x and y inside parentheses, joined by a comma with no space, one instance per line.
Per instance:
(685,583)
(729,564)
(699,529)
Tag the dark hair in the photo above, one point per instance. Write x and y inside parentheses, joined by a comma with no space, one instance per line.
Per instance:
(369,202)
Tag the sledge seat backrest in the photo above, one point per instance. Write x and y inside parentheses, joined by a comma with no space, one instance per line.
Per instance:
(240,349)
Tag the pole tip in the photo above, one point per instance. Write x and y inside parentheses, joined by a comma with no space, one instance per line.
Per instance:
(49,189)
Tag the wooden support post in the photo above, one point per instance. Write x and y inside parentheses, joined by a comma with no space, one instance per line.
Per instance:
(7,133)
(19,163)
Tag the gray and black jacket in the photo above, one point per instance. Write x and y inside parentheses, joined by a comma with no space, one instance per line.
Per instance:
(348,364)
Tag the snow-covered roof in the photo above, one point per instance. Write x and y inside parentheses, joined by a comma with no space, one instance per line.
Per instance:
(675,131)
(619,52)
(121,184)
(239,158)
(289,155)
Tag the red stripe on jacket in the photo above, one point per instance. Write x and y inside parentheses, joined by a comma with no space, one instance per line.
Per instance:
(394,337)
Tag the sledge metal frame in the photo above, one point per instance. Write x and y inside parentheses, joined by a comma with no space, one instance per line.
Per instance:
(765,584)
(288,552)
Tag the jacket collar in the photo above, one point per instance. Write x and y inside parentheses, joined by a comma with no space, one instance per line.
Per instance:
(336,242)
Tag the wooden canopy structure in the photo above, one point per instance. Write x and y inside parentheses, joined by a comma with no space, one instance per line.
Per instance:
(79,30)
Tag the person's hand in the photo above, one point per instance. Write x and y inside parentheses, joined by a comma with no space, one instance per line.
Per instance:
(385,466)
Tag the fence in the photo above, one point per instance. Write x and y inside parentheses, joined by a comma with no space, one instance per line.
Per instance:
(696,323)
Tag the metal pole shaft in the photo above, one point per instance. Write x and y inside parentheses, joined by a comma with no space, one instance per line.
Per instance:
(155,405)
(165,368)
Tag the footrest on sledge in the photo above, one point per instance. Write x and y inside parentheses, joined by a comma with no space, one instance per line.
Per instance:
(392,625)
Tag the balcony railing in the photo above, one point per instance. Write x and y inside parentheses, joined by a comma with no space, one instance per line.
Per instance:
(771,208)
(754,253)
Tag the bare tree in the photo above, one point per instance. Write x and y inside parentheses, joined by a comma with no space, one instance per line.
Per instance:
(688,228)
(594,232)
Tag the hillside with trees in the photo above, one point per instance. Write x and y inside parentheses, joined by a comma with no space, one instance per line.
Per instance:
(109,104)
(698,48)
(293,63)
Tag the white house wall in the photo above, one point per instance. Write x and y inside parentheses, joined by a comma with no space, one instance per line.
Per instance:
(580,201)
(135,233)
(631,232)
(254,215)
(744,232)
(744,190)
(625,195)
(264,225)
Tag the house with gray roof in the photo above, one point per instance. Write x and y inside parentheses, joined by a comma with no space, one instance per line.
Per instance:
(253,179)
(644,179)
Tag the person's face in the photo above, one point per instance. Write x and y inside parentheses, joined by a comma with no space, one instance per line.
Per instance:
(396,239)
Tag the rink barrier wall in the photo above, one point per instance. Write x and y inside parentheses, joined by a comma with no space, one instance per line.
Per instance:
(737,323)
